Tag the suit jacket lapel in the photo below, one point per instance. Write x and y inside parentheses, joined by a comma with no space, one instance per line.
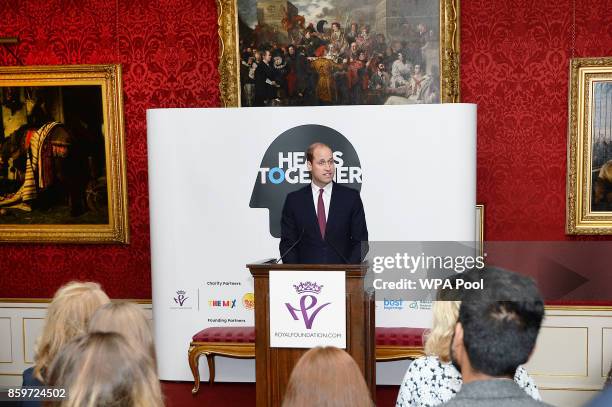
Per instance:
(333,208)
(311,208)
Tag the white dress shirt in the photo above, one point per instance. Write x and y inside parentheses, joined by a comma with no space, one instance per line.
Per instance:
(327,192)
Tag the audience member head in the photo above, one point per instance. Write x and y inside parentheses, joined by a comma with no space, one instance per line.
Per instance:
(498,325)
(102,369)
(327,377)
(127,319)
(68,316)
(445,313)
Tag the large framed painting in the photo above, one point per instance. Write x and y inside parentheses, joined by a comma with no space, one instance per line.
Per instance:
(338,52)
(589,176)
(62,155)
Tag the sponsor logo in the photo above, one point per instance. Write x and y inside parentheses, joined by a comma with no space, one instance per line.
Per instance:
(222,303)
(393,304)
(420,305)
(283,168)
(181,299)
(308,302)
(248,301)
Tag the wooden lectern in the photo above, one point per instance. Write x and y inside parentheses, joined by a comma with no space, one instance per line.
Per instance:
(274,365)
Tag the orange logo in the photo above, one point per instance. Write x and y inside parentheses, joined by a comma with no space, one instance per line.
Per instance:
(248,301)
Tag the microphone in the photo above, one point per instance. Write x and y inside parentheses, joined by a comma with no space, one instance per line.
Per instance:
(291,248)
(338,252)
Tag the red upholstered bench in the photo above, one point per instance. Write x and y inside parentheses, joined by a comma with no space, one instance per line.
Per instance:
(233,342)
(239,342)
(399,343)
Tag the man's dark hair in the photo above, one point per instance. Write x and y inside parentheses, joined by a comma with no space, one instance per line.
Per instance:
(501,322)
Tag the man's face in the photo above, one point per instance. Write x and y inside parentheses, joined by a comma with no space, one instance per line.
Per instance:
(322,167)
(353,46)
(30,103)
(291,51)
(267,57)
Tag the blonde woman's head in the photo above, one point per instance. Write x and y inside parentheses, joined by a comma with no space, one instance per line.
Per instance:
(68,316)
(103,369)
(445,315)
(438,339)
(327,377)
(127,319)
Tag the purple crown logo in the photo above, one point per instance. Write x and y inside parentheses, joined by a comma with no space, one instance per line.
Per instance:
(308,287)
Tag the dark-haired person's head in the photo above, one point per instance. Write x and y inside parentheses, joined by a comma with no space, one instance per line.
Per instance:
(498,325)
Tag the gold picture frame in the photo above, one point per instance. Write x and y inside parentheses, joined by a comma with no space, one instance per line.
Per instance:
(589,158)
(230,59)
(480,229)
(62,155)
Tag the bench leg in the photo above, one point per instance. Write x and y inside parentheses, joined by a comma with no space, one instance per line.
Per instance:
(210,358)
(194,357)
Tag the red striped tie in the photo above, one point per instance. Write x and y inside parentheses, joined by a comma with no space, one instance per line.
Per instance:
(321,213)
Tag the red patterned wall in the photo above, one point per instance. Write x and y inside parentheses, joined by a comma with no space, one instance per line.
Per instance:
(515,58)
(168,49)
(515,66)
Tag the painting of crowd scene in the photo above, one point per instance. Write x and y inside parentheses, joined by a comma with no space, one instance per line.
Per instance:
(602,147)
(339,52)
(52,156)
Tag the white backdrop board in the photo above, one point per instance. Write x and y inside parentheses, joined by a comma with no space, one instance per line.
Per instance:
(416,164)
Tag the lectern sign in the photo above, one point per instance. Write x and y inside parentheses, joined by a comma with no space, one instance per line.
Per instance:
(307,309)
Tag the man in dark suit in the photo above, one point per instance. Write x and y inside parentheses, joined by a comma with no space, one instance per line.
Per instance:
(496,332)
(323,222)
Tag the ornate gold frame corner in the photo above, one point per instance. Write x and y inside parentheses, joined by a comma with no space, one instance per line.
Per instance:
(229,69)
(110,79)
(580,218)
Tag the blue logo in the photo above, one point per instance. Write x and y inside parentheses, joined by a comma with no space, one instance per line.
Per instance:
(393,304)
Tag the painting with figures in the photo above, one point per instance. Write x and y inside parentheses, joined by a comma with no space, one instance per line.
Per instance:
(62,156)
(339,52)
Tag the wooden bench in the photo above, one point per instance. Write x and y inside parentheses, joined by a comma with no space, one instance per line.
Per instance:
(239,342)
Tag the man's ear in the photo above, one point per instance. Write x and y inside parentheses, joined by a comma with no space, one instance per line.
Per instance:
(309,165)
(458,337)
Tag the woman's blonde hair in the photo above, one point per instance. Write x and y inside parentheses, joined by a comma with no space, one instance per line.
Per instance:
(438,338)
(68,316)
(103,369)
(327,377)
(127,319)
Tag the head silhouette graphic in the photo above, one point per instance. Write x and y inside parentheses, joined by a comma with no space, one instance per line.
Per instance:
(283,167)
